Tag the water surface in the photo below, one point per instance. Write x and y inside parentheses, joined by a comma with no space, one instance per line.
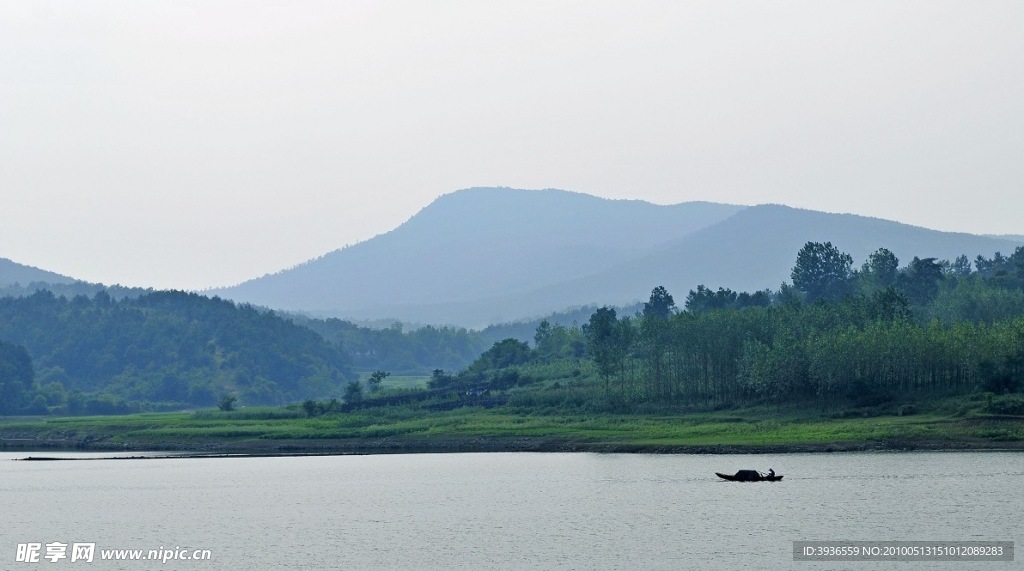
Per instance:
(508,511)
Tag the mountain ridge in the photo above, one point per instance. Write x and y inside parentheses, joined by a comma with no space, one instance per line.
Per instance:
(766,264)
(621,254)
(480,256)
(523,238)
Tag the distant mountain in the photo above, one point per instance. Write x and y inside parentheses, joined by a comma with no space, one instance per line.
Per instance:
(471,246)
(14,273)
(1013,237)
(491,255)
(18,280)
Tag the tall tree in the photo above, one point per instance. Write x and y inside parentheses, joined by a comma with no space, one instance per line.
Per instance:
(996,266)
(353,392)
(961,266)
(704,299)
(375,380)
(603,342)
(920,280)
(660,305)
(822,271)
(881,268)
(542,334)
(1017,260)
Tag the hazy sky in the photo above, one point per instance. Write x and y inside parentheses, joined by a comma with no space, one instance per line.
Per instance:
(194,144)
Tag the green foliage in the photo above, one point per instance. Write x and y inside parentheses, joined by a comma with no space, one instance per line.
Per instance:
(317,408)
(16,379)
(1008,404)
(567,418)
(920,280)
(247,413)
(353,392)
(439,379)
(856,350)
(604,343)
(375,379)
(960,267)
(888,305)
(227,403)
(1005,373)
(870,340)
(1001,270)
(973,299)
(704,299)
(660,305)
(417,351)
(822,271)
(555,342)
(504,353)
(881,269)
(171,348)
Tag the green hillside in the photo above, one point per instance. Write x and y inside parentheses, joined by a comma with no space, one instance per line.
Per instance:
(163,349)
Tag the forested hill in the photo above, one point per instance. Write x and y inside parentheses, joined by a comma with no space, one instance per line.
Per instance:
(170,347)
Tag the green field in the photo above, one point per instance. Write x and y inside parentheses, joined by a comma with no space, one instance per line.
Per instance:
(399,382)
(960,423)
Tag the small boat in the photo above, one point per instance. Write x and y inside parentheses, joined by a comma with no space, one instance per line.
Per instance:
(748,476)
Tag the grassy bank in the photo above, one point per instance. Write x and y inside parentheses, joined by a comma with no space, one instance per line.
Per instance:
(962,423)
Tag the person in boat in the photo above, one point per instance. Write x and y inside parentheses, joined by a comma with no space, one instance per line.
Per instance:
(771,472)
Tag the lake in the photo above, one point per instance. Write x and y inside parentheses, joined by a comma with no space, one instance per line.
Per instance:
(506,510)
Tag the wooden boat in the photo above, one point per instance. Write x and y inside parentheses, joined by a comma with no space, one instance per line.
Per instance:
(748,476)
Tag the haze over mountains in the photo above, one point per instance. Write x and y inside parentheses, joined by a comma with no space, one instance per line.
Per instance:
(15,273)
(448,263)
(487,255)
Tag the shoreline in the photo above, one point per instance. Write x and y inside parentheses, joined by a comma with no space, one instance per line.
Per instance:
(362,447)
(946,426)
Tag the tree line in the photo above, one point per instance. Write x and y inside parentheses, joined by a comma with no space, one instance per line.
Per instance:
(409,350)
(836,335)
